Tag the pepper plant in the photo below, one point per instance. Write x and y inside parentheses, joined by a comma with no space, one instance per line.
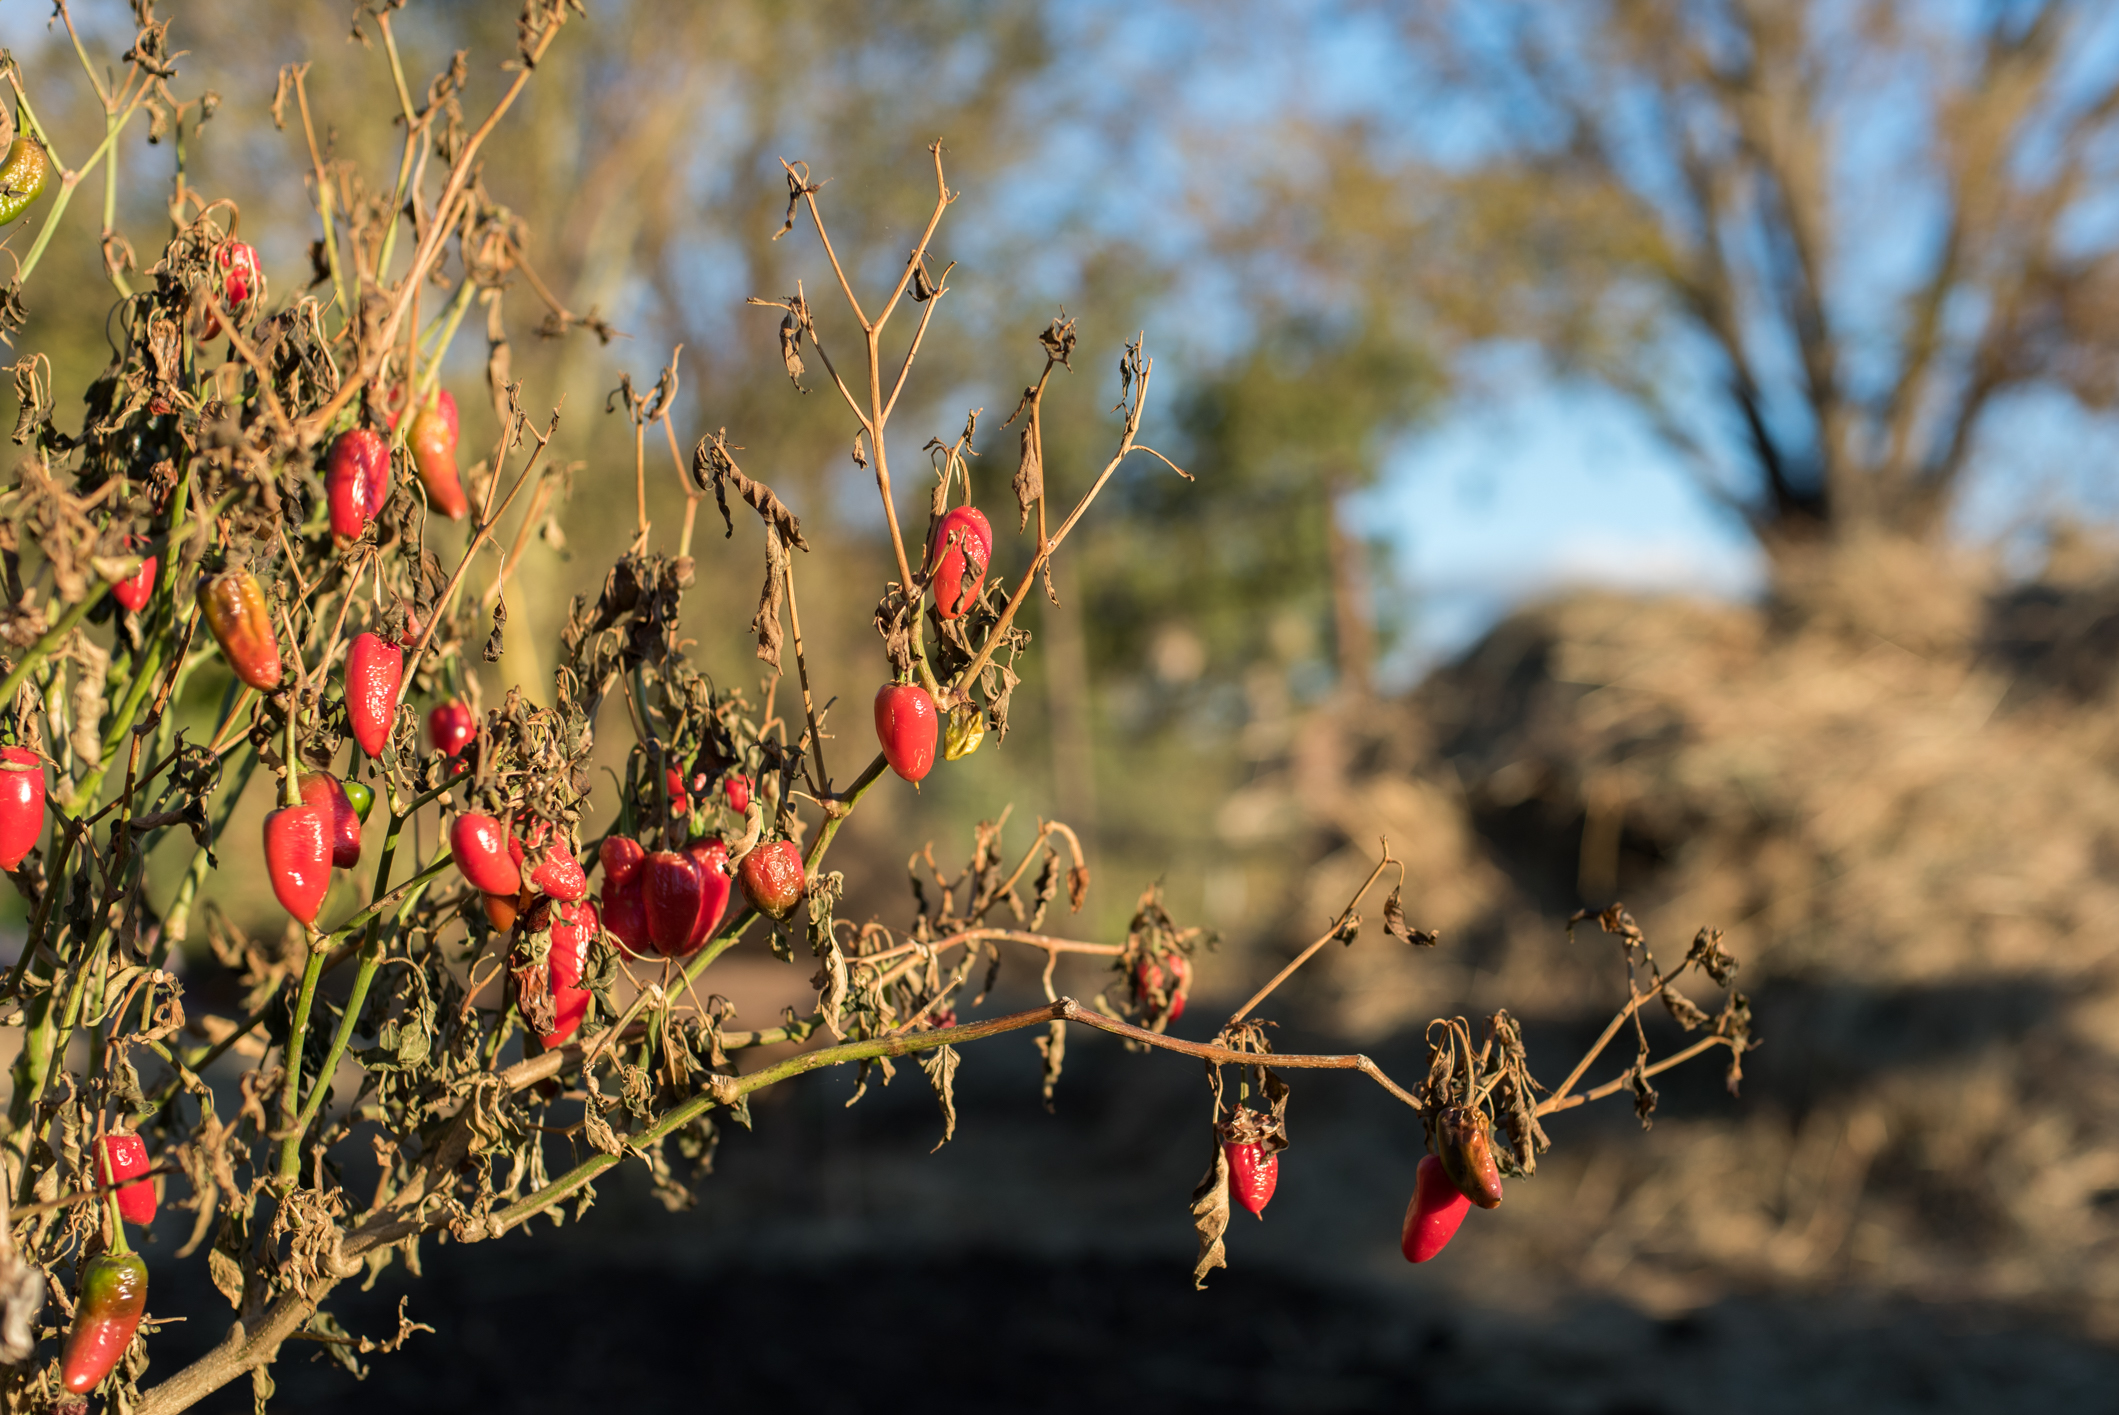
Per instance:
(239,527)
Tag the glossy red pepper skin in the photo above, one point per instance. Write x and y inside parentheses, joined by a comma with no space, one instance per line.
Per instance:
(502,910)
(623,913)
(716,883)
(908,727)
(452,728)
(560,875)
(106,1314)
(772,878)
(356,480)
(1254,1172)
(123,1156)
(298,858)
(134,590)
(328,794)
(574,926)
(737,790)
(234,607)
(1464,1140)
(672,893)
(479,845)
(432,438)
(1431,1219)
(959,552)
(21,804)
(375,672)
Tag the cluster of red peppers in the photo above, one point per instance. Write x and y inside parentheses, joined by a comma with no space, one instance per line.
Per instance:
(907,724)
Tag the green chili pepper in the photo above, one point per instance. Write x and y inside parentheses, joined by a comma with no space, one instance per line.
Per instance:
(22,177)
(113,1298)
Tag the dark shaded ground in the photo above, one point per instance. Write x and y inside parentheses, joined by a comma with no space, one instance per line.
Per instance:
(1041,1263)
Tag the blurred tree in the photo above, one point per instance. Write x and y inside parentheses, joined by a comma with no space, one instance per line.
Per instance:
(1845,231)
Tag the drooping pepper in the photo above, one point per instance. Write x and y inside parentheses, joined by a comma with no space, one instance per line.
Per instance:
(356,480)
(1431,1219)
(298,841)
(672,892)
(328,794)
(906,725)
(432,438)
(574,926)
(22,176)
(375,671)
(242,282)
(959,552)
(122,1156)
(107,1313)
(710,858)
(21,804)
(623,912)
(479,845)
(133,590)
(1254,1172)
(772,878)
(451,728)
(737,789)
(234,606)
(1464,1140)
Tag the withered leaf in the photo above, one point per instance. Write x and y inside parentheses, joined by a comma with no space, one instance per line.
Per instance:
(1210,1218)
(1029,483)
(1053,1048)
(766,622)
(1681,1007)
(940,1066)
(1394,923)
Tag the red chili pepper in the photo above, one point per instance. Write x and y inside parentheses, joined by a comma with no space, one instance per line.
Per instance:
(557,874)
(240,279)
(133,590)
(1254,1171)
(238,264)
(356,480)
(502,910)
(737,789)
(432,439)
(298,843)
(674,781)
(451,728)
(1149,979)
(21,804)
(328,794)
(123,1156)
(710,858)
(672,893)
(624,914)
(1432,1217)
(235,611)
(1464,1139)
(772,878)
(375,671)
(574,926)
(961,547)
(479,845)
(106,1314)
(907,726)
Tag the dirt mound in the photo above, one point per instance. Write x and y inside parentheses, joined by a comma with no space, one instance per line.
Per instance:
(1903,811)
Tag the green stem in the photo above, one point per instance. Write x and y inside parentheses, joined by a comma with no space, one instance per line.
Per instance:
(67,183)
(431,374)
(297,1039)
